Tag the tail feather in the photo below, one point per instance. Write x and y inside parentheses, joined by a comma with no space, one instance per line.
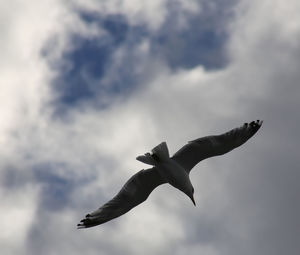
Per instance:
(161,151)
(146,158)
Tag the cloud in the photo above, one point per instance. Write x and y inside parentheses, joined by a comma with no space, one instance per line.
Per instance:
(18,210)
(126,54)
(151,14)
(55,168)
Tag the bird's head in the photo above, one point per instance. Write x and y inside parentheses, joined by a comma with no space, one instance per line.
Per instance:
(189,191)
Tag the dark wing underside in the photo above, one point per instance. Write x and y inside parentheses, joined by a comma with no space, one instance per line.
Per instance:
(135,191)
(195,151)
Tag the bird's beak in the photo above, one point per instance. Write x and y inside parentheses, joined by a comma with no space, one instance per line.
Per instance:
(193,200)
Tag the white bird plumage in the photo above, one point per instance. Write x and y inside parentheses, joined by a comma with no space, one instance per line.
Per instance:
(173,170)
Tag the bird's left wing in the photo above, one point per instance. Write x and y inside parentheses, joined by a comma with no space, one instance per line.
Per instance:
(135,191)
(195,151)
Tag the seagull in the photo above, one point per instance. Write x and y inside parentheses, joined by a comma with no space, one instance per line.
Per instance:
(165,169)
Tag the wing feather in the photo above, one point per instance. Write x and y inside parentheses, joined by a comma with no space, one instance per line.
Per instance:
(197,150)
(135,191)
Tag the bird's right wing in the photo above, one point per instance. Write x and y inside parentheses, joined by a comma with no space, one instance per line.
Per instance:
(135,191)
(195,151)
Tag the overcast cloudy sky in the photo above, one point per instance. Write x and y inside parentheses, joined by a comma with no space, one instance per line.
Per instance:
(87,85)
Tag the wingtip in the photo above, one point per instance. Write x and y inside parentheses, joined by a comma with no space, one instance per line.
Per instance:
(253,123)
(80,226)
(259,121)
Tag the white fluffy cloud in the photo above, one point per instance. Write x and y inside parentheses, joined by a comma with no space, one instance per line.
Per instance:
(244,198)
(17,213)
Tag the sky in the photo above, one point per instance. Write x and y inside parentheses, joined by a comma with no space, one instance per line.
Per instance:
(88,85)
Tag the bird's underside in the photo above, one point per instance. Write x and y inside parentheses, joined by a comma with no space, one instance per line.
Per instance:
(137,189)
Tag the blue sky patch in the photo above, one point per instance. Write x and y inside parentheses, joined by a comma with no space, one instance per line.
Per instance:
(55,189)
(91,61)
(94,73)
(200,41)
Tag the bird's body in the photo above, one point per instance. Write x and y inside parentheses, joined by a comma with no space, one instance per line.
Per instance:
(169,170)
(173,170)
(174,174)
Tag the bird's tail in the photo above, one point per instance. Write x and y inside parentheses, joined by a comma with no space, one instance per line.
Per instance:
(159,152)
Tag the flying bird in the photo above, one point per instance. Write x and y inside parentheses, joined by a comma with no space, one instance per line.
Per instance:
(173,170)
